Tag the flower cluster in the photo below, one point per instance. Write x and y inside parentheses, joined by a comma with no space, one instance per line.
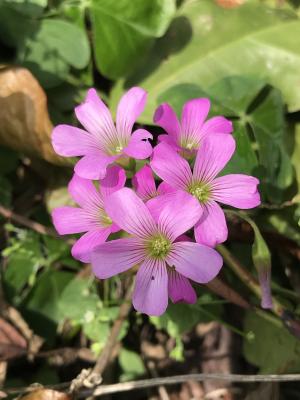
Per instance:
(154,219)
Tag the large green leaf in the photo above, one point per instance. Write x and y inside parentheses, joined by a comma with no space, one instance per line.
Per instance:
(51,50)
(124,31)
(273,348)
(207,43)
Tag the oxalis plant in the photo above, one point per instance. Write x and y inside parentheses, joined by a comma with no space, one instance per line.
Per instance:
(167,229)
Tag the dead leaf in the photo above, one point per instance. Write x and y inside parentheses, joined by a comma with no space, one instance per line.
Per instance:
(24,120)
(12,344)
(229,3)
(265,391)
(46,394)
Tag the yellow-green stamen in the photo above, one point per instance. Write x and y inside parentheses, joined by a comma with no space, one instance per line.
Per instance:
(158,246)
(201,191)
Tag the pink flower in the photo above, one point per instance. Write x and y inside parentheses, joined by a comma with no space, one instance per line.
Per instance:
(236,190)
(91,216)
(144,184)
(102,142)
(189,134)
(165,264)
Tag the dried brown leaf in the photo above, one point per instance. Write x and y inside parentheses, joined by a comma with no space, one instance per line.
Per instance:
(12,344)
(24,120)
(46,394)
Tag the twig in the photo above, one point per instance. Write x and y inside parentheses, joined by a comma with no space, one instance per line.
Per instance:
(174,380)
(114,333)
(246,277)
(35,226)
(220,288)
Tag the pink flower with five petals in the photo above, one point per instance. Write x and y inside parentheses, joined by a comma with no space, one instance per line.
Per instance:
(188,135)
(165,265)
(103,142)
(236,190)
(91,216)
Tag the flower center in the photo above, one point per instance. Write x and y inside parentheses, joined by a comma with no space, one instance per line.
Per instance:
(104,219)
(118,149)
(159,246)
(201,191)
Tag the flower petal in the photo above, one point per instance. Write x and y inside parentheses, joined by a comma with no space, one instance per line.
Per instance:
(114,180)
(214,153)
(96,118)
(180,288)
(129,212)
(69,141)
(217,124)
(144,183)
(195,261)
(150,294)
(164,188)
(84,246)
(166,117)
(211,228)
(236,190)
(171,167)
(193,116)
(93,166)
(112,258)
(169,140)
(69,220)
(179,213)
(138,146)
(84,193)
(130,107)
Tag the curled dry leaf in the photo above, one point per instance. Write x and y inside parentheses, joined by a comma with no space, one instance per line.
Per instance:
(12,344)
(46,394)
(24,120)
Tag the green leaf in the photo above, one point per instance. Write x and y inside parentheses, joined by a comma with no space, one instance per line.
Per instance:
(269,128)
(44,298)
(251,40)
(273,349)
(31,8)
(50,51)
(124,31)
(78,300)
(131,364)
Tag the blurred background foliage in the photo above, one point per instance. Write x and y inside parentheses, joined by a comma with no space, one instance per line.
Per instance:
(244,56)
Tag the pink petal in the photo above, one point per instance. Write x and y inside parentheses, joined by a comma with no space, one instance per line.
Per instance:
(129,212)
(171,167)
(69,141)
(164,188)
(166,117)
(82,249)
(180,213)
(214,153)
(96,118)
(211,228)
(180,288)
(72,220)
(150,294)
(144,183)
(112,258)
(237,190)
(93,166)
(84,193)
(193,116)
(114,180)
(130,107)
(195,261)
(170,141)
(138,146)
(216,125)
